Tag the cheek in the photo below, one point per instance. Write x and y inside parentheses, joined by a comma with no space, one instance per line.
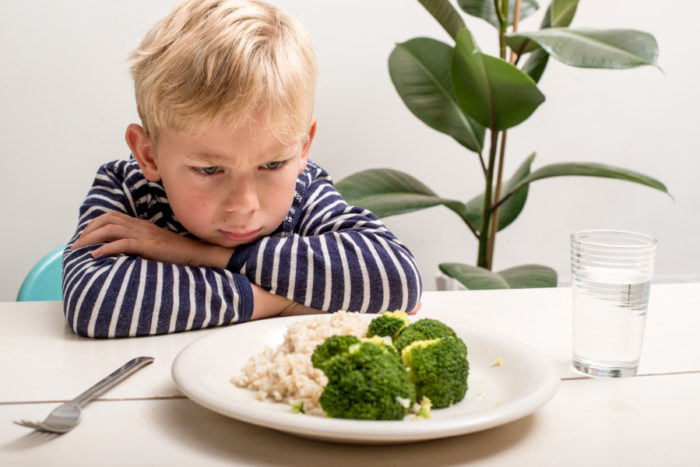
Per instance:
(191,206)
(279,198)
(201,206)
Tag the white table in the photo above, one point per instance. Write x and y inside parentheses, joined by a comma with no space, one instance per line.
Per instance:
(652,419)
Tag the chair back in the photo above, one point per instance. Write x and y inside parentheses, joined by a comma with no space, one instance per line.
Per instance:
(44,281)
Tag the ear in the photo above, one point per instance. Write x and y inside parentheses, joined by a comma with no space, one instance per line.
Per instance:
(307,147)
(142,149)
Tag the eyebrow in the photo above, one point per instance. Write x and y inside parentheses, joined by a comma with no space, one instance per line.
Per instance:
(204,157)
(213,159)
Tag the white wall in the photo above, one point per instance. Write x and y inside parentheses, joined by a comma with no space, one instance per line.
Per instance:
(66,98)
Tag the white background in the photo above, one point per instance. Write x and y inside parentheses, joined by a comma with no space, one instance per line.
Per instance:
(66,98)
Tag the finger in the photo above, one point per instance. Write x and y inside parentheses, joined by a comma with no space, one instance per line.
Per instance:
(296,309)
(125,246)
(110,217)
(90,227)
(105,233)
(110,226)
(415,310)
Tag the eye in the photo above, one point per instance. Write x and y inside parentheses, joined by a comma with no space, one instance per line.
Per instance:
(207,170)
(273,165)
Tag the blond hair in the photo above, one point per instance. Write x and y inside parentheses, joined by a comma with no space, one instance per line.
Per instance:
(241,60)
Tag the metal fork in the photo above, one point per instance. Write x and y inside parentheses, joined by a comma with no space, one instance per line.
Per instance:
(66,416)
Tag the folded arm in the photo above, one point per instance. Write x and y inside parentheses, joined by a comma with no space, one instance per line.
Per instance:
(129,276)
(339,257)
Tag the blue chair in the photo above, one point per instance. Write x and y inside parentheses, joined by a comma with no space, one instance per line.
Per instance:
(44,280)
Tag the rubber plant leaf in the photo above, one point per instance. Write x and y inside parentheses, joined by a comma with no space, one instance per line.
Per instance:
(559,14)
(593,48)
(486,10)
(388,192)
(519,277)
(511,208)
(495,93)
(420,71)
(588,170)
(445,14)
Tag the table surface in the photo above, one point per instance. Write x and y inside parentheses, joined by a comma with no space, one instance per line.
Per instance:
(650,419)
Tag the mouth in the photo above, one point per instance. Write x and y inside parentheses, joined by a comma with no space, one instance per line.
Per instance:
(240,236)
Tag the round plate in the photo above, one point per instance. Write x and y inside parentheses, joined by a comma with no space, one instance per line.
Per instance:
(497,394)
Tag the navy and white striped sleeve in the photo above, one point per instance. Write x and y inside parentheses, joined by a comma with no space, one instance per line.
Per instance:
(339,257)
(123,295)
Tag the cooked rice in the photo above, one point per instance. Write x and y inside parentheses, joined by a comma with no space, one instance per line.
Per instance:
(285,374)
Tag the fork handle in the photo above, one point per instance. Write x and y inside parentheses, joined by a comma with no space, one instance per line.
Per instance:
(112,379)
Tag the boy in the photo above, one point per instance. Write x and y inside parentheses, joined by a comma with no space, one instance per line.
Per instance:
(219,217)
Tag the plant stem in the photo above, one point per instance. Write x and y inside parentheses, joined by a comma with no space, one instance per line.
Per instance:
(501,157)
(483,164)
(516,20)
(496,197)
(502,14)
(499,203)
(485,234)
(499,14)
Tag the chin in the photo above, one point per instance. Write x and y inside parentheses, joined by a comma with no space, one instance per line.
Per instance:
(226,243)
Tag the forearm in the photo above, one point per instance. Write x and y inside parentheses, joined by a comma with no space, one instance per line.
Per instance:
(114,232)
(361,271)
(266,305)
(131,272)
(119,296)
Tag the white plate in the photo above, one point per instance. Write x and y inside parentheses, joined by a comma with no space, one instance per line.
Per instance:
(496,394)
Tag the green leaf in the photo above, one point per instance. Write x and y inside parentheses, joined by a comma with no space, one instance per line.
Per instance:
(495,93)
(445,14)
(474,277)
(529,276)
(593,48)
(510,209)
(519,277)
(420,71)
(486,10)
(589,170)
(387,192)
(559,14)
(536,64)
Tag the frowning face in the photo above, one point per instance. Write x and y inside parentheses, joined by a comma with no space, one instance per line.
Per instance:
(228,187)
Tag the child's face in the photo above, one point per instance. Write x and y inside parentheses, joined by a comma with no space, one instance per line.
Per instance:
(229,187)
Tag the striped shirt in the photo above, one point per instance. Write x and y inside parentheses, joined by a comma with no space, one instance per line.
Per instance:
(326,255)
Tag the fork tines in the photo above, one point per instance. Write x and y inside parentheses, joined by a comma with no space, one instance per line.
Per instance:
(30,424)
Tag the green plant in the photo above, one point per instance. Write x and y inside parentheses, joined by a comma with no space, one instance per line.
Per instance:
(472,96)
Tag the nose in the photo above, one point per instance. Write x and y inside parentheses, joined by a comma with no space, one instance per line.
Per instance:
(241,195)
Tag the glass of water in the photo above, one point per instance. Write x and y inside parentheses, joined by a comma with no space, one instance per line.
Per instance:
(611,274)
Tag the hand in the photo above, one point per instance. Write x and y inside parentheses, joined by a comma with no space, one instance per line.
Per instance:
(266,305)
(123,234)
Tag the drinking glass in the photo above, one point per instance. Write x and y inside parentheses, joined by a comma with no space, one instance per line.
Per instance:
(611,274)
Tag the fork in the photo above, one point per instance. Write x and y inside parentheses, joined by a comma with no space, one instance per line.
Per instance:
(66,416)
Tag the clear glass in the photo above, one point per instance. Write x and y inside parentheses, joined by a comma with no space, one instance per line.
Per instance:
(611,274)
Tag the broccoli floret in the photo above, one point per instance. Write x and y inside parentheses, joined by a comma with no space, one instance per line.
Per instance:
(385,345)
(332,346)
(388,324)
(421,330)
(438,368)
(296,407)
(422,409)
(367,382)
